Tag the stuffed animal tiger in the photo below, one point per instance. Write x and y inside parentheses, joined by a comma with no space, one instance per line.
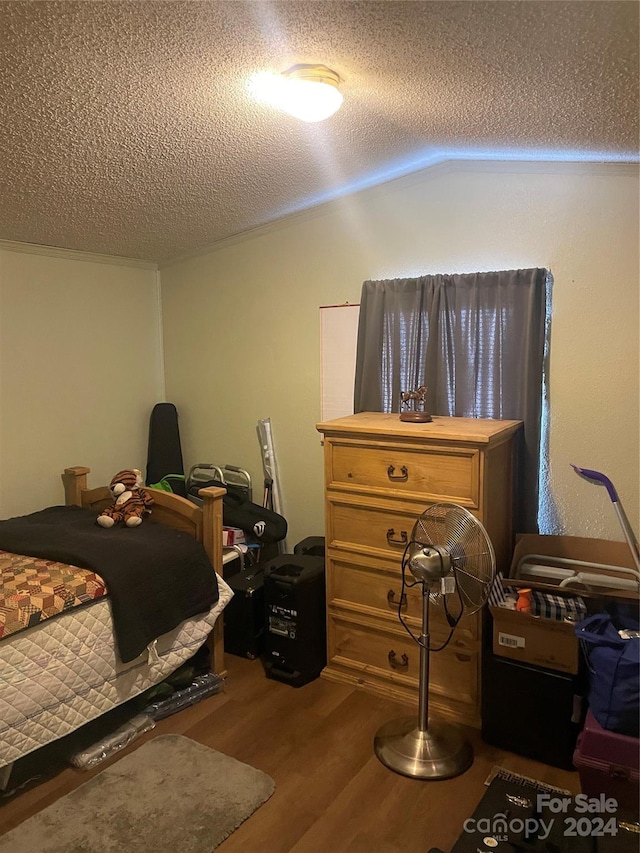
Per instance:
(131,501)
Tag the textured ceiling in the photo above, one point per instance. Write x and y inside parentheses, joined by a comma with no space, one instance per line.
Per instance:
(126,128)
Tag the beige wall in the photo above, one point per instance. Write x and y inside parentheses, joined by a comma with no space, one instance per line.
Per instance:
(80,369)
(81,345)
(241,323)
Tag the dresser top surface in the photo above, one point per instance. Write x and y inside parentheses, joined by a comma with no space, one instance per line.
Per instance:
(477,430)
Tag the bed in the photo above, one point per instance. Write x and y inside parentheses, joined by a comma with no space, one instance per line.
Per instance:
(62,672)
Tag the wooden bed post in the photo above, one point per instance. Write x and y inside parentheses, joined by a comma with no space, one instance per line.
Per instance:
(75,481)
(212,542)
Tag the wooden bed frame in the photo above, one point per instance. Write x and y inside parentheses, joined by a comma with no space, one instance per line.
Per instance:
(204,523)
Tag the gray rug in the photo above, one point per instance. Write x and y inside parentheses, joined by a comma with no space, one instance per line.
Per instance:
(170,794)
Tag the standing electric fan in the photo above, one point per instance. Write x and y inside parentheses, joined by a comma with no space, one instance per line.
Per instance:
(451,556)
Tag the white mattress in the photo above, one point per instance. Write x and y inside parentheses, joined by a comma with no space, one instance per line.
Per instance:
(63,673)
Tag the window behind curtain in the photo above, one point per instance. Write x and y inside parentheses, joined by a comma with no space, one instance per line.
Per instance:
(477,341)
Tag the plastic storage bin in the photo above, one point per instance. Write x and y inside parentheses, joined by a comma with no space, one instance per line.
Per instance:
(608,764)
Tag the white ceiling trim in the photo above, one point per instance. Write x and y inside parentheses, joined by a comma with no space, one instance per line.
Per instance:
(75,255)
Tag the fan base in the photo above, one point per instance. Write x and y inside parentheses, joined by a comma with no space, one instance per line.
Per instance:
(441,752)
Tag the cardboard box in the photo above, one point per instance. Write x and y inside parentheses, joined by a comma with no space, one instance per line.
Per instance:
(550,643)
(232,536)
(600,556)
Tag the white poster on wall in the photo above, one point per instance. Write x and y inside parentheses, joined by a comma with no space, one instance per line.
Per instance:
(338,339)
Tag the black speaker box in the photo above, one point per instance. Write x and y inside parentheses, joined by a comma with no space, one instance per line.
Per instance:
(244,615)
(312,545)
(295,604)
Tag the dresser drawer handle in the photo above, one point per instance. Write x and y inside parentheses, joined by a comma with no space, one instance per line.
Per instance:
(393,602)
(402,477)
(463,658)
(391,598)
(402,665)
(401,540)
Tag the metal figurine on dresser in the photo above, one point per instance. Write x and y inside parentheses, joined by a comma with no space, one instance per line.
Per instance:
(413,406)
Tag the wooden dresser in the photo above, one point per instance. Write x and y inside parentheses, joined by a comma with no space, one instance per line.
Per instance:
(380,475)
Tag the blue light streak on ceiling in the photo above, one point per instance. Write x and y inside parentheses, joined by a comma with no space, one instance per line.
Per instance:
(433,158)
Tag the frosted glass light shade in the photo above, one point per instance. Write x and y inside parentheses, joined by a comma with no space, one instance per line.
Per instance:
(307,92)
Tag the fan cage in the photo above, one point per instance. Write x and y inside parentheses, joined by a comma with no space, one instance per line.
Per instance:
(472,566)
(469,547)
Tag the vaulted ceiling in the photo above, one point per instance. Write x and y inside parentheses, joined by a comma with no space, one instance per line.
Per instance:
(126,128)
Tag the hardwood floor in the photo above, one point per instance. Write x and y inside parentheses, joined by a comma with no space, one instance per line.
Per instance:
(332,794)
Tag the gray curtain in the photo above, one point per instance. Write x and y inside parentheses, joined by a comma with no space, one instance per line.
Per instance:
(477,341)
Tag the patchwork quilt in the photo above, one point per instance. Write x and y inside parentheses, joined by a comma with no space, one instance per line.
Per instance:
(32,590)
(156,576)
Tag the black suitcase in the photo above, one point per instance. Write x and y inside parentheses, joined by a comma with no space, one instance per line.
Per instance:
(244,615)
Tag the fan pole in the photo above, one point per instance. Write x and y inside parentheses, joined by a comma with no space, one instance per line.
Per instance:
(423,691)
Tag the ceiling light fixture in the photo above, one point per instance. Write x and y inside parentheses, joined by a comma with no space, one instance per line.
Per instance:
(307,92)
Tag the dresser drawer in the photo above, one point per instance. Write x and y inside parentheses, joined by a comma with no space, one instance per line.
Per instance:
(371,529)
(375,653)
(427,473)
(377,594)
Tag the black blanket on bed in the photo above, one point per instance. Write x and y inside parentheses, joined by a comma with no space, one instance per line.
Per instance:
(156,576)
